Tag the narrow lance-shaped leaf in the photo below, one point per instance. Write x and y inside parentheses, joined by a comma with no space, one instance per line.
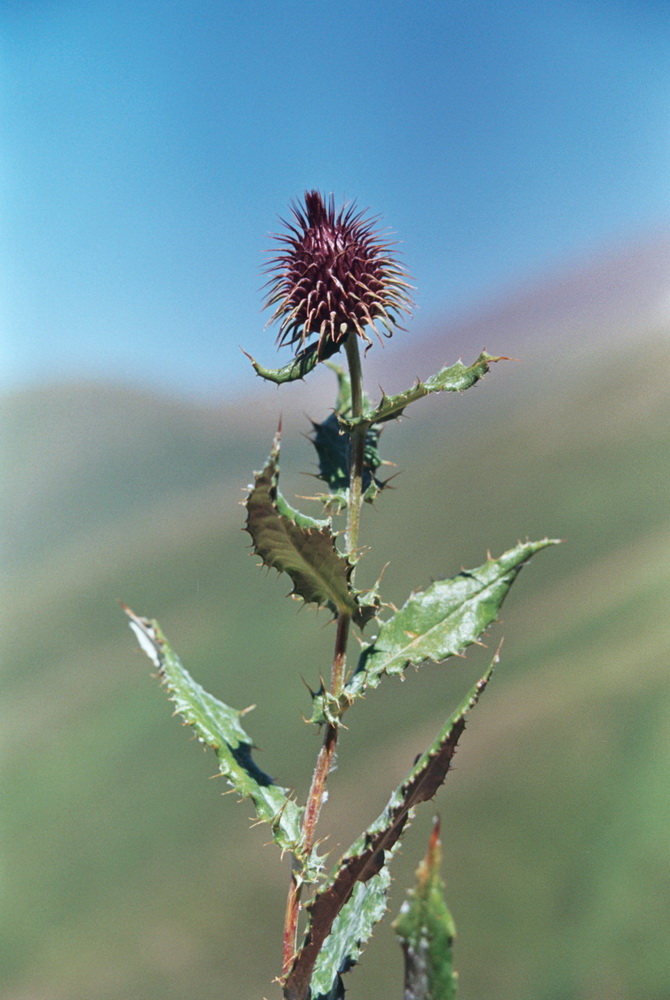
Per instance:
(351,930)
(455,378)
(302,547)
(218,726)
(434,624)
(426,931)
(368,854)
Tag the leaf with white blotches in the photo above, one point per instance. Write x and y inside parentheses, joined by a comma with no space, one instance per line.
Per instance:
(434,624)
(366,858)
(218,726)
(351,930)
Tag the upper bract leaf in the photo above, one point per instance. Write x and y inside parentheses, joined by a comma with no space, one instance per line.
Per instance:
(302,547)
(455,378)
(303,363)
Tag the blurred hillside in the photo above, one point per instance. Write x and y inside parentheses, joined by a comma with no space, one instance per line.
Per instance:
(126,875)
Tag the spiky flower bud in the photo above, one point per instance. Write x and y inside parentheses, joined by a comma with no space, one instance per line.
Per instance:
(333,274)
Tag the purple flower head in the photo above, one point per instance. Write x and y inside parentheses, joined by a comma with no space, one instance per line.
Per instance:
(333,273)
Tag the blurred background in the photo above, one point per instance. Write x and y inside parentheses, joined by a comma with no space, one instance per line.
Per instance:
(520,153)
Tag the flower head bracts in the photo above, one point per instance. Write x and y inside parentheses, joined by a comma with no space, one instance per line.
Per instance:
(333,274)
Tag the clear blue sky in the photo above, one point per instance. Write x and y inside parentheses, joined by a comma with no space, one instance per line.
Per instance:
(149,146)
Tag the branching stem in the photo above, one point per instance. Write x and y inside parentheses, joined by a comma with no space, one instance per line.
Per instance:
(327,752)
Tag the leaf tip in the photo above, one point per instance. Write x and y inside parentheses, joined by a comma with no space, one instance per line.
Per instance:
(147,637)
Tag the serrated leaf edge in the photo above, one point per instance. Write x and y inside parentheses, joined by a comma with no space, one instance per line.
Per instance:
(367,855)
(364,677)
(339,600)
(274,805)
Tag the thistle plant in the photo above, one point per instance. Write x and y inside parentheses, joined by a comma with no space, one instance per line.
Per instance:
(334,282)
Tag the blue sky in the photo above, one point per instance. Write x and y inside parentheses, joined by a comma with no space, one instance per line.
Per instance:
(150,146)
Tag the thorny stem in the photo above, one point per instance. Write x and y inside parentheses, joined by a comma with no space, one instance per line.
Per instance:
(327,753)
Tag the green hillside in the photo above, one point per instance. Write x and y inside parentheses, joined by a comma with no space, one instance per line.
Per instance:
(126,875)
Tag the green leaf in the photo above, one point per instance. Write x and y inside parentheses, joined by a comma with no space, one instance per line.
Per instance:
(303,363)
(453,379)
(302,547)
(351,929)
(370,853)
(434,624)
(426,931)
(218,726)
(333,446)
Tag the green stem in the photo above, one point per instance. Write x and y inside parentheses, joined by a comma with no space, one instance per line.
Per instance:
(357,446)
(327,753)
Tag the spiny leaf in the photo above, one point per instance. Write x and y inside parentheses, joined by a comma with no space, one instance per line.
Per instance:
(426,931)
(301,546)
(334,450)
(455,378)
(351,930)
(218,726)
(434,624)
(333,447)
(368,855)
(303,363)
